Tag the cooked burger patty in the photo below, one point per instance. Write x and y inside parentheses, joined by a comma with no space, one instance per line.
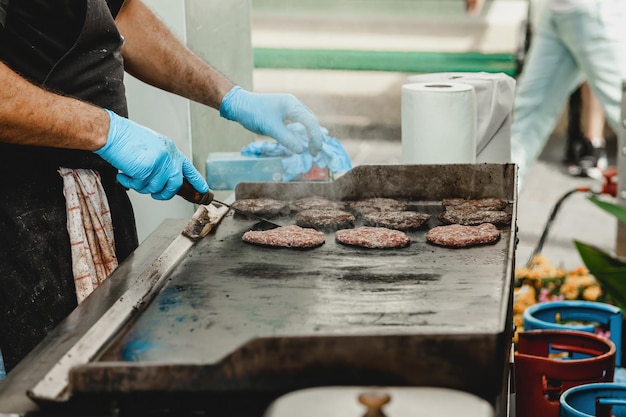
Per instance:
(314,203)
(473,217)
(398,220)
(459,236)
(263,207)
(325,219)
(477,204)
(286,237)
(373,237)
(376,204)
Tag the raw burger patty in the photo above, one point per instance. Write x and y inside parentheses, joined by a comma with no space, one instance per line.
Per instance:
(459,236)
(264,207)
(398,220)
(474,217)
(314,203)
(373,237)
(477,204)
(286,237)
(325,219)
(369,205)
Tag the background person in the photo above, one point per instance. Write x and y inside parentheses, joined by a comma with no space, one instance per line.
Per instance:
(585,149)
(574,40)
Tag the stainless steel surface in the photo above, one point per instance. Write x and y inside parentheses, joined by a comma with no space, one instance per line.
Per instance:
(13,389)
(415,182)
(239,318)
(54,385)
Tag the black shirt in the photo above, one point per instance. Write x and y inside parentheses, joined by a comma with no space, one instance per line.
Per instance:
(3,11)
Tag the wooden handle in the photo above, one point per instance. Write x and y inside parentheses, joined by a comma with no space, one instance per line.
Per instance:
(190,194)
(374,401)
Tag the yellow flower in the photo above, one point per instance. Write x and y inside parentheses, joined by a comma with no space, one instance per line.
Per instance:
(539,268)
(523,297)
(581,280)
(592,293)
(569,291)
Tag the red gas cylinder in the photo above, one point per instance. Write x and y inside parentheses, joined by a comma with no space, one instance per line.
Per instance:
(548,362)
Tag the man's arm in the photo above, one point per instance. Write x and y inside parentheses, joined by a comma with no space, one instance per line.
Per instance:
(149,162)
(153,54)
(30,115)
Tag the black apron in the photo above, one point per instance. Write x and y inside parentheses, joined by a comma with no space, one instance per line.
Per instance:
(36,281)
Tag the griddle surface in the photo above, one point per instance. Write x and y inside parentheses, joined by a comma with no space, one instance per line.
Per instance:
(227,292)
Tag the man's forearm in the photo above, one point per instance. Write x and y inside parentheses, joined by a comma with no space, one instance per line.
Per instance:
(30,115)
(153,54)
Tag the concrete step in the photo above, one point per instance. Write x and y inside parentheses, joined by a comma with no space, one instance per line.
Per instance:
(401,25)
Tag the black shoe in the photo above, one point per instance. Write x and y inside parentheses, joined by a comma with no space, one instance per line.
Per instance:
(592,161)
(574,147)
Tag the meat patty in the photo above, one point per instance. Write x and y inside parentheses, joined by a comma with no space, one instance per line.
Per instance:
(325,219)
(477,204)
(314,203)
(473,217)
(398,220)
(376,204)
(263,207)
(373,237)
(475,212)
(459,236)
(286,237)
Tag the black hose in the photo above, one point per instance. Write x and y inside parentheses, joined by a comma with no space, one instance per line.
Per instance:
(546,228)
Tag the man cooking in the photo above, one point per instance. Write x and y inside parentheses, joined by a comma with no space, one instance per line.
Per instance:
(68,153)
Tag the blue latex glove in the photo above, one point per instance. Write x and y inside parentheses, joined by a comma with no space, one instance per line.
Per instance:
(333,155)
(266,114)
(149,162)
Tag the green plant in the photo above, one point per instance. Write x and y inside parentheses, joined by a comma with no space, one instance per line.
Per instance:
(608,270)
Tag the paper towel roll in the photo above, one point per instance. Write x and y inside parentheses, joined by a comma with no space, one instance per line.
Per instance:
(438,123)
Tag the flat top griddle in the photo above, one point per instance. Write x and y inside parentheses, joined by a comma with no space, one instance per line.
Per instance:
(233,317)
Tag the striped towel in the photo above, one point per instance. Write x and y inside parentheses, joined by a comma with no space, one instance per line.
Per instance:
(90,229)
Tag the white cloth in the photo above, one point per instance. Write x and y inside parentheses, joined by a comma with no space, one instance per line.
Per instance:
(90,229)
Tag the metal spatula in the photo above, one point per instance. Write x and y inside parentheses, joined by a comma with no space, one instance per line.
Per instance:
(190,194)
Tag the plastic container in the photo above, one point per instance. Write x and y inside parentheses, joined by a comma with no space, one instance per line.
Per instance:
(577,315)
(544,367)
(224,170)
(602,400)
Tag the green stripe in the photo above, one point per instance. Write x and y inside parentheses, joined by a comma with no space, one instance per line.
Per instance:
(395,61)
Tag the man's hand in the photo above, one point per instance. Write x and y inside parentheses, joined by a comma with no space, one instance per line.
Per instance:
(473,7)
(266,114)
(149,162)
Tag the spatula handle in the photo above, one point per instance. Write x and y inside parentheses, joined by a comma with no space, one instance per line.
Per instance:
(190,194)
